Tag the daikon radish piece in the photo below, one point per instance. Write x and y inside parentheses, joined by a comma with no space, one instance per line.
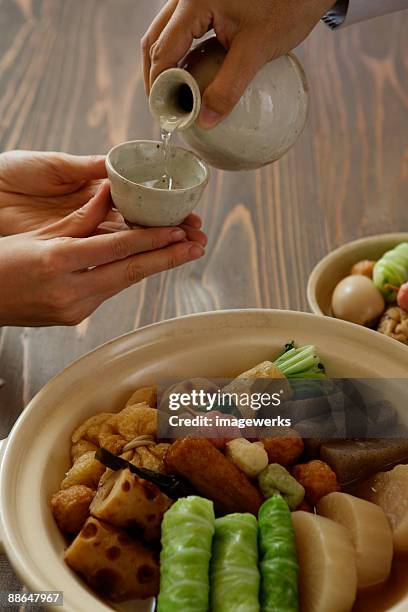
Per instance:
(389,490)
(327,561)
(370,532)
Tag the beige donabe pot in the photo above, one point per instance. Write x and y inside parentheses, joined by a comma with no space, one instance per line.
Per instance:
(211,345)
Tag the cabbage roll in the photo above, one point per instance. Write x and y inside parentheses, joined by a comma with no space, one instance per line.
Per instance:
(186,537)
(279,564)
(234,565)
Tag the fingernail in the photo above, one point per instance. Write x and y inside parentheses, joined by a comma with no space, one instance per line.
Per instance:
(208,118)
(196,251)
(177,234)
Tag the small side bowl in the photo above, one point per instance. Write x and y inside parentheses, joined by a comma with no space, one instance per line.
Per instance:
(337,264)
(130,163)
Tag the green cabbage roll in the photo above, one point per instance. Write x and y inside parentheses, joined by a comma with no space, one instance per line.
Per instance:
(234,565)
(186,537)
(391,271)
(279,564)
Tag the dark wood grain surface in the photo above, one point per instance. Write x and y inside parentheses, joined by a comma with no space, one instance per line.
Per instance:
(70,80)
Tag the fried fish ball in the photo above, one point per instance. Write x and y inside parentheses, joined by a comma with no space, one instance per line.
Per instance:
(249,457)
(86,471)
(364,267)
(146,395)
(80,448)
(70,507)
(213,475)
(90,428)
(127,501)
(317,478)
(112,563)
(285,447)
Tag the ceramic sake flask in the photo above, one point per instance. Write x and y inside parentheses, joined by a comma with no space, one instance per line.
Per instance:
(264,124)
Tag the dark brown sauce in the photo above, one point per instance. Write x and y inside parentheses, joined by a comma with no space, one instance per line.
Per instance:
(388,595)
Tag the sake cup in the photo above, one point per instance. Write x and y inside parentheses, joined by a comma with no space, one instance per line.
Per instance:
(138,189)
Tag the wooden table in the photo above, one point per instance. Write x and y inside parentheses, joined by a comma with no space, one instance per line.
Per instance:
(70,80)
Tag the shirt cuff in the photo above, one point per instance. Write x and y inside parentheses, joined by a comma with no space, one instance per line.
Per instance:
(347,12)
(336,16)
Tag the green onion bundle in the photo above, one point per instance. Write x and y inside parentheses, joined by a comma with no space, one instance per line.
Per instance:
(301,362)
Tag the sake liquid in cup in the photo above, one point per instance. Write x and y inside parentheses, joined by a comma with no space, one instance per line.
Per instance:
(140,182)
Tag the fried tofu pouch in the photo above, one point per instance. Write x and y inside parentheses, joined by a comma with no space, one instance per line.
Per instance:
(86,471)
(213,475)
(127,501)
(151,457)
(146,395)
(244,382)
(114,430)
(112,563)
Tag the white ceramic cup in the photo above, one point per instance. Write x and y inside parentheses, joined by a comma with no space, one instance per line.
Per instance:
(132,163)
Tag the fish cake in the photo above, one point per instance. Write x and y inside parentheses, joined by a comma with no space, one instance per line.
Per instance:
(210,472)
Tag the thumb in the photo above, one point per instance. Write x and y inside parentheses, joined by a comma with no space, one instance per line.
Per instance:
(84,221)
(243,60)
(78,168)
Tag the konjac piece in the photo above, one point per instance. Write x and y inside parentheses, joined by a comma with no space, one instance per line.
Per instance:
(354,460)
(112,563)
(187,533)
(234,564)
(127,501)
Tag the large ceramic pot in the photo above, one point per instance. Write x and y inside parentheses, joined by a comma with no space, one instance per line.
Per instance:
(264,124)
(219,344)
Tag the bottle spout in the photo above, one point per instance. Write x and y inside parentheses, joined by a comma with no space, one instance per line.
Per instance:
(175,99)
